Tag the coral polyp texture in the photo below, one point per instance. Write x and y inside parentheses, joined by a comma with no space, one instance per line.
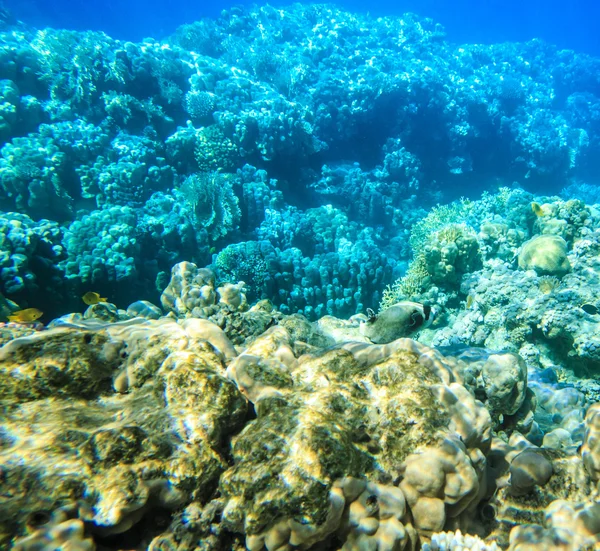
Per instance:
(298,279)
(163,432)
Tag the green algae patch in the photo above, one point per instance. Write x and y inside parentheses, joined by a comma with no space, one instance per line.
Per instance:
(340,417)
(58,362)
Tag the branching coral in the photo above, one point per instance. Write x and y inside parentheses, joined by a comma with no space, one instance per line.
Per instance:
(74,64)
(438,217)
(444,248)
(409,286)
(451,252)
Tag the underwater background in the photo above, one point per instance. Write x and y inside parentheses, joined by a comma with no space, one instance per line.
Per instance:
(299,276)
(564,24)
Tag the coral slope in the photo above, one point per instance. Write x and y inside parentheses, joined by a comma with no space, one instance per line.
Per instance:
(300,144)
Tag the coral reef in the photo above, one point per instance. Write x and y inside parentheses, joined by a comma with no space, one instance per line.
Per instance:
(160,431)
(286,184)
(256,128)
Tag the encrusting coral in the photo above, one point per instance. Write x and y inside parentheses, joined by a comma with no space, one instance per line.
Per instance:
(287,440)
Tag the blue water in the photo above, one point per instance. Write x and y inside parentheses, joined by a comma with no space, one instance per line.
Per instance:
(571,24)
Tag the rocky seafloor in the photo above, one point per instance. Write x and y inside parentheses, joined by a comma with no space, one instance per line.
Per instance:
(223,425)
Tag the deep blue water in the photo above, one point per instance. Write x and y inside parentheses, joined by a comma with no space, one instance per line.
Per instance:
(568,24)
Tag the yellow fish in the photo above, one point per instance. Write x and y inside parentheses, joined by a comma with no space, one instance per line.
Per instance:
(470,301)
(92,298)
(25,316)
(537,209)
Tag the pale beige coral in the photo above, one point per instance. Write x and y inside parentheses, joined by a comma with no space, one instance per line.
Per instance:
(546,254)
(233,295)
(527,482)
(122,503)
(532,537)
(149,342)
(190,288)
(468,418)
(205,330)
(144,309)
(340,331)
(64,535)
(127,453)
(590,449)
(524,466)
(106,312)
(246,370)
(505,382)
(289,534)
(204,404)
(275,343)
(368,354)
(263,369)
(58,362)
(498,379)
(369,446)
(581,520)
(376,518)
(191,293)
(569,526)
(401,381)
(567,219)
(369,515)
(439,481)
(528,469)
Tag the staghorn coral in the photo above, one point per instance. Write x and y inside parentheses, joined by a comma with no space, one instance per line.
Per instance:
(409,286)
(441,257)
(436,219)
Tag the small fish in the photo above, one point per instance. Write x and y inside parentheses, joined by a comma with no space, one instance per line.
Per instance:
(470,301)
(7,307)
(92,298)
(589,309)
(399,320)
(537,209)
(25,316)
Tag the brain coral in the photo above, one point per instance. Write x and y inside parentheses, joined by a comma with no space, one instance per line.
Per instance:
(546,254)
